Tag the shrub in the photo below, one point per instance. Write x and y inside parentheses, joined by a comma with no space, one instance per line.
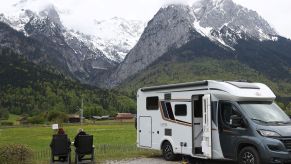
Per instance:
(15,154)
(36,120)
(6,123)
(56,116)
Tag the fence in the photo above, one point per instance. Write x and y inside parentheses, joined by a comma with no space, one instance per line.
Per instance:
(102,152)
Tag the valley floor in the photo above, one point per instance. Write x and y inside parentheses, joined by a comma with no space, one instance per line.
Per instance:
(112,140)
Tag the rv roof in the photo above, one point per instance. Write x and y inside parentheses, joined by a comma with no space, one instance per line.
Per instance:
(175,86)
(242,91)
(242,85)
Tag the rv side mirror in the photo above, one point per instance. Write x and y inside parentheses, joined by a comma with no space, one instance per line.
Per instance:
(235,121)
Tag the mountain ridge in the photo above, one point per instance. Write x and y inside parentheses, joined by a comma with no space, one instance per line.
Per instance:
(222,22)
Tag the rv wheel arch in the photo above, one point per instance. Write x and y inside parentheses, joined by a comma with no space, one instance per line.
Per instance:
(166,139)
(244,145)
(168,151)
(249,154)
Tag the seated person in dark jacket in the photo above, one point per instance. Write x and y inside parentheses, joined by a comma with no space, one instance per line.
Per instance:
(62,132)
(76,142)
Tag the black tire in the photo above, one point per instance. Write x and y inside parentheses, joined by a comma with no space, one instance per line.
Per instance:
(249,155)
(167,151)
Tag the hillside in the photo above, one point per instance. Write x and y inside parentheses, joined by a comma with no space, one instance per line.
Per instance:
(202,68)
(27,88)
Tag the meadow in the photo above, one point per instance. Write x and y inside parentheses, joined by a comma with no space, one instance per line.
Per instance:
(112,140)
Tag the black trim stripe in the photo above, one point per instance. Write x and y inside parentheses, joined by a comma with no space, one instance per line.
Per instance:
(173,121)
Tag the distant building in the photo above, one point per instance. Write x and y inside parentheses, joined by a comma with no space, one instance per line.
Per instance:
(124,116)
(101,117)
(74,118)
(23,120)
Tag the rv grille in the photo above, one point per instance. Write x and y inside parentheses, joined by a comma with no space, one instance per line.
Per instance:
(287,143)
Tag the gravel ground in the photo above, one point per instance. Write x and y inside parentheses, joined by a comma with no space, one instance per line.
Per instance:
(142,161)
(160,161)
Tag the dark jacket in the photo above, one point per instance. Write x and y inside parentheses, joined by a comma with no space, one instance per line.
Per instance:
(68,140)
(76,142)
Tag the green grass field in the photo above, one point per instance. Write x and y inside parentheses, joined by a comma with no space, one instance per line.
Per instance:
(112,141)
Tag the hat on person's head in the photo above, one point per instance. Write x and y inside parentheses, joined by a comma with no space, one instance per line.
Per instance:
(80,130)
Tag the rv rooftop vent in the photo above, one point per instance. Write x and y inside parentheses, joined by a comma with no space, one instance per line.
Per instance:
(243,85)
(168,96)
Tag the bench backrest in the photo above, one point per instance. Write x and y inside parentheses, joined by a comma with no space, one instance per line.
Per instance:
(60,145)
(85,144)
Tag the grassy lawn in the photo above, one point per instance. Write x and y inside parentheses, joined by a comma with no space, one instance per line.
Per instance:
(112,141)
(13,118)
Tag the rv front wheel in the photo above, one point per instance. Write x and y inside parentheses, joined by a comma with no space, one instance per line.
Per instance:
(168,152)
(249,155)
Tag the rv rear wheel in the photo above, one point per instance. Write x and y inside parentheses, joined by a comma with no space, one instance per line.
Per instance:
(168,152)
(249,155)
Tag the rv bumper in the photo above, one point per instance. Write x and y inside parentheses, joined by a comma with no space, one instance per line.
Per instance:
(275,152)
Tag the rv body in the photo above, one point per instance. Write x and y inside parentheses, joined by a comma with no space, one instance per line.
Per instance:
(213,120)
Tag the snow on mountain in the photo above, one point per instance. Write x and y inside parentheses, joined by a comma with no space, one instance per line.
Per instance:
(114,37)
(224,21)
(16,20)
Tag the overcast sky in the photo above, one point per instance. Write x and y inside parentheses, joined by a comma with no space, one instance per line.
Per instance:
(77,13)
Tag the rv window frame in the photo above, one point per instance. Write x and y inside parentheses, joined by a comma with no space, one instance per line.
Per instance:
(221,119)
(156,107)
(181,115)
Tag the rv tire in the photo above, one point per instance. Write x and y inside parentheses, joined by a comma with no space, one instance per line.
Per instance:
(167,151)
(249,155)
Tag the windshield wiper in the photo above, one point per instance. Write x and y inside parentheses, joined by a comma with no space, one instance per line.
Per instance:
(280,122)
(260,120)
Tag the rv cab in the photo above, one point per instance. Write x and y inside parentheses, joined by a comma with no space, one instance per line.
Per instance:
(222,120)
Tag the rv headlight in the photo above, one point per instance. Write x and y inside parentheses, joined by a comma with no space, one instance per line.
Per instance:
(267,133)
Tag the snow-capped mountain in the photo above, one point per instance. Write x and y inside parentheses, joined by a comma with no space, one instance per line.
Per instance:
(85,56)
(222,22)
(226,22)
(71,55)
(114,37)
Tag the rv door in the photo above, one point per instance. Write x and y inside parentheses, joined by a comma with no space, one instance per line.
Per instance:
(207,139)
(145,131)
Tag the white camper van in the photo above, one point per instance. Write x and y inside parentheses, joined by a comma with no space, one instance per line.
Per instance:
(214,120)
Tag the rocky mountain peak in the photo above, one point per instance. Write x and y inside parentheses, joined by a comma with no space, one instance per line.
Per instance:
(223,22)
(170,28)
(216,14)
(51,13)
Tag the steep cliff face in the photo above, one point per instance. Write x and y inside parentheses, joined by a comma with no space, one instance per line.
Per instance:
(170,28)
(222,22)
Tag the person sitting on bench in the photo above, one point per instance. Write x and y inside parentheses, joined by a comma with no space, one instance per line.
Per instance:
(62,132)
(76,142)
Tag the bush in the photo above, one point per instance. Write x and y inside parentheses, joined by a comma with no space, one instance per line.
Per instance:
(36,120)
(56,116)
(6,123)
(15,154)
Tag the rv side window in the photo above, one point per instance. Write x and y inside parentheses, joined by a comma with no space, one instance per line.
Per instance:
(181,110)
(227,109)
(152,103)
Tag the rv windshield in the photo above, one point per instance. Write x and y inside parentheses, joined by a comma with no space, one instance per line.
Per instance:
(265,113)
